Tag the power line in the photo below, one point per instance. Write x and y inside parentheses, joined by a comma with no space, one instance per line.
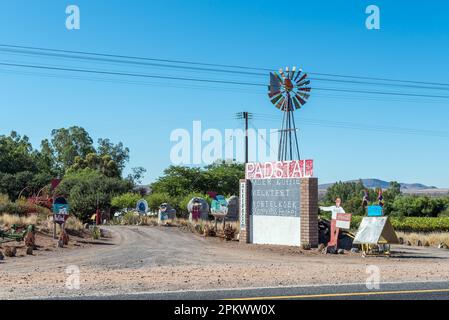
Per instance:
(140,58)
(358,126)
(159,65)
(140,75)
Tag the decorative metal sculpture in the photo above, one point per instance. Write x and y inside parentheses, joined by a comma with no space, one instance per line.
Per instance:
(289,90)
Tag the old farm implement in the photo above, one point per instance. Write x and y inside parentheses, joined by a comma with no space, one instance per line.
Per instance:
(16,233)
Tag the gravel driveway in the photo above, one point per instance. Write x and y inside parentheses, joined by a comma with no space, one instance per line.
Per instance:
(143,259)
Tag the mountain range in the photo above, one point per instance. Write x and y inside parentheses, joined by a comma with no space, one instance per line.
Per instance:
(377,183)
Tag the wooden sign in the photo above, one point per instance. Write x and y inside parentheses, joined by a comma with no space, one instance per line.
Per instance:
(344,221)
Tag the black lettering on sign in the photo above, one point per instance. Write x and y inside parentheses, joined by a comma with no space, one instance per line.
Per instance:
(275,197)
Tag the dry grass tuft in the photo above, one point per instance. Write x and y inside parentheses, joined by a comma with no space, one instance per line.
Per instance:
(431,239)
(8,220)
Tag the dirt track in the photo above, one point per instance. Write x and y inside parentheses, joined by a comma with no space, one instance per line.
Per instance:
(138,259)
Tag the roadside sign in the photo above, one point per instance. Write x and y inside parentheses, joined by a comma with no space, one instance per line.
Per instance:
(344,221)
(375,211)
(376,230)
(142,206)
(242,205)
(60,212)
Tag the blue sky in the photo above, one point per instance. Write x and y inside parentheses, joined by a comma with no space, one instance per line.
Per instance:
(319,36)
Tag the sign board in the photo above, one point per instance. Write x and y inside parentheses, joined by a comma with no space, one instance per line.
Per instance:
(376,230)
(242,205)
(275,197)
(142,206)
(279,170)
(60,212)
(344,221)
(275,211)
(375,211)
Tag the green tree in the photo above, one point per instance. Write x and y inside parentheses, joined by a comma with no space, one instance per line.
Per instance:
(118,153)
(84,187)
(103,164)
(68,144)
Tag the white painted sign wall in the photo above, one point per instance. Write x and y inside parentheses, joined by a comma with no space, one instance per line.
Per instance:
(276,230)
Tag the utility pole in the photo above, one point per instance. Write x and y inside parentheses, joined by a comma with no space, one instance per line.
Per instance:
(245,116)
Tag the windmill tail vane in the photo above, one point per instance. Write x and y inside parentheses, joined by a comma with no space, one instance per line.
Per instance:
(289,90)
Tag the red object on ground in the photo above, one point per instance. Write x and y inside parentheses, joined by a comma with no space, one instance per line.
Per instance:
(334,234)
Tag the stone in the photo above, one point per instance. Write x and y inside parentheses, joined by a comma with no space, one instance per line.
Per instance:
(331,250)
(306,246)
(30,239)
(1,256)
(60,243)
(30,251)
(427,244)
(341,251)
(408,243)
(355,250)
(419,243)
(442,245)
(401,240)
(10,251)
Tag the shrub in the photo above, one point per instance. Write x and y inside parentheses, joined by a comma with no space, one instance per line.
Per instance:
(412,224)
(4,199)
(73,223)
(130,218)
(126,200)
(156,199)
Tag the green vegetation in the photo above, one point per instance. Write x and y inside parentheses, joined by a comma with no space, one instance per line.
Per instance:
(395,203)
(89,172)
(412,224)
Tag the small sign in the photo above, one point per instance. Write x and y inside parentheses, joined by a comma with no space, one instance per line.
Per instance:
(279,170)
(344,221)
(242,205)
(60,212)
(142,206)
(375,211)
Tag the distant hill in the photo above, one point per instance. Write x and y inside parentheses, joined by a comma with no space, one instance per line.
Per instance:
(377,183)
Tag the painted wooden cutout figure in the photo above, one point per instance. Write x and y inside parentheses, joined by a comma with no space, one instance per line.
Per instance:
(333,242)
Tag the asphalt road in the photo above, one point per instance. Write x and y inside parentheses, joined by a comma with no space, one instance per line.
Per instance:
(386,291)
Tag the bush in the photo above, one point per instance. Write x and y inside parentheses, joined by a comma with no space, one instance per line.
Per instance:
(126,200)
(412,224)
(4,199)
(156,199)
(130,218)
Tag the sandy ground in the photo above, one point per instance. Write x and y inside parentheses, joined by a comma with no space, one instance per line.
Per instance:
(142,259)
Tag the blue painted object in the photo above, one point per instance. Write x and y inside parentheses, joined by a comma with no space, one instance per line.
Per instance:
(375,211)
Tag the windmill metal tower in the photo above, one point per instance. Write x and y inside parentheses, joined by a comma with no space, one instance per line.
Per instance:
(289,90)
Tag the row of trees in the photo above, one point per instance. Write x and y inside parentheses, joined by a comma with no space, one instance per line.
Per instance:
(91,173)
(395,203)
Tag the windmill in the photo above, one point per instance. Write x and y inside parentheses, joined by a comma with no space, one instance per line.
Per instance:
(289,90)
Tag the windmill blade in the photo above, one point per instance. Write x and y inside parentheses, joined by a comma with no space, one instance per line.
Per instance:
(300,100)
(281,72)
(303,83)
(293,72)
(307,89)
(276,99)
(305,96)
(275,84)
(296,102)
(271,95)
(298,74)
(303,77)
(280,103)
